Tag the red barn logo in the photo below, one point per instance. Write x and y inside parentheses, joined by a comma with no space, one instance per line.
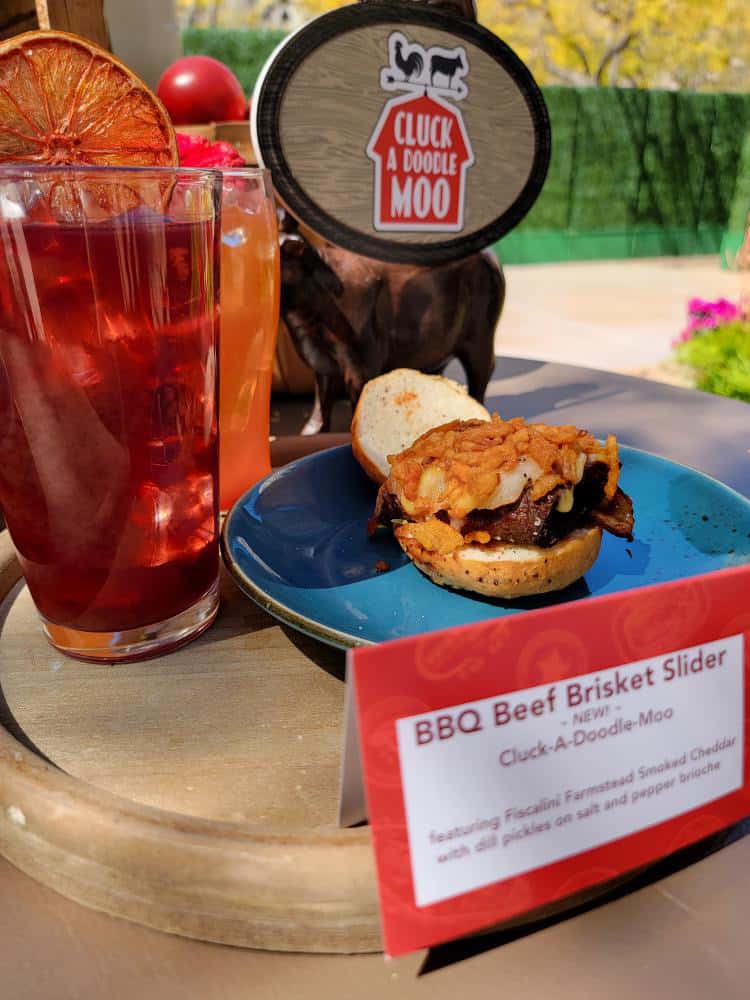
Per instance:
(420,147)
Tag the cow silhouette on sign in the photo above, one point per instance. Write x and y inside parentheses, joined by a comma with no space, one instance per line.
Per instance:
(445,66)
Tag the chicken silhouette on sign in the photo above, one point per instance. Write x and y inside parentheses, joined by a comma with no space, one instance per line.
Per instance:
(420,147)
(409,65)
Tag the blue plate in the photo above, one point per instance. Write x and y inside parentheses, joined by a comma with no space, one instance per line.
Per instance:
(297,544)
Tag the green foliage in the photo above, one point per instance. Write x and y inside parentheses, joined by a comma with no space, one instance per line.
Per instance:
(243,51)
(623,158)
(721,357)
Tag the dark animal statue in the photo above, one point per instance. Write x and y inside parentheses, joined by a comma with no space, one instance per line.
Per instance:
(352,318)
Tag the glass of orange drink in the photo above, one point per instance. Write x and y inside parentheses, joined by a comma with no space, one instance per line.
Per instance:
(249,323)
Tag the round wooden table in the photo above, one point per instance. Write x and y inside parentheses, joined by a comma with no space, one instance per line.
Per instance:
(682,934)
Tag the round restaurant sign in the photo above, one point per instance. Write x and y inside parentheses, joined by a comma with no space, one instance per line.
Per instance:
(401,132)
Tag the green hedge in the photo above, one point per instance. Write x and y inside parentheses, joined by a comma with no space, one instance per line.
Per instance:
(244,51)
(637,173)
(633,172)
(738,217)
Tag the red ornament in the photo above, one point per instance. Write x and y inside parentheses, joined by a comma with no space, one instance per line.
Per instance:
(199,89)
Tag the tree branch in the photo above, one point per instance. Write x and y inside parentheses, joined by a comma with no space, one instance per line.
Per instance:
(612,53)
(580,53)
(570,76)
(604,9)
(570,42)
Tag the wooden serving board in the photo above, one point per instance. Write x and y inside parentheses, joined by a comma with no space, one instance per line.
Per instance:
(195,793)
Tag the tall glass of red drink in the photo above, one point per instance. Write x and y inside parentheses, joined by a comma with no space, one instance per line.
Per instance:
(108,401)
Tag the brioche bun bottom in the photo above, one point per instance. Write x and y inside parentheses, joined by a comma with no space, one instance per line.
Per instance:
(507,571)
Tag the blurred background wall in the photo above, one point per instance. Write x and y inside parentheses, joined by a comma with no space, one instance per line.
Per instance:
(145,34)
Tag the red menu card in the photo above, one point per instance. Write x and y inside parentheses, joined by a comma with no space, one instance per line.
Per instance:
(511,763)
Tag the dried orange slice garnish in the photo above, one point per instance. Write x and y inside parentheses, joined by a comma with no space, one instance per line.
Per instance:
(64,100)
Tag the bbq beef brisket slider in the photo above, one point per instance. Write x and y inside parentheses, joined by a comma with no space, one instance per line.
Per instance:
(502,507)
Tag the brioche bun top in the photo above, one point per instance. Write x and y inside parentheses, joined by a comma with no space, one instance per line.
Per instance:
(397,408)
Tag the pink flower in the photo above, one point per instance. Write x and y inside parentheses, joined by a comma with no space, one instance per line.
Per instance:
(705,315)
(197,151)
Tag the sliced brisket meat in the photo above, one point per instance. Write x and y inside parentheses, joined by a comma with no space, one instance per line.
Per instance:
(589,492)
(538,522)
(535,522)
(587,495)
(387,508)
(525,522)
(617,516)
